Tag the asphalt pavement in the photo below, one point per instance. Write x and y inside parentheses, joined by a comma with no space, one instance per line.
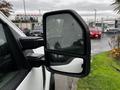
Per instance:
(97,46)
(100,45)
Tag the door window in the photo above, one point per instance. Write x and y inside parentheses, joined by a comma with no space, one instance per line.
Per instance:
(8,67)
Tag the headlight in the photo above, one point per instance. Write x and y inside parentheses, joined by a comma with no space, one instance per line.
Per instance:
(100,32)
(91,32)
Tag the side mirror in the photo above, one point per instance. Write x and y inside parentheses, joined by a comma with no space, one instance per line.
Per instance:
(67,43)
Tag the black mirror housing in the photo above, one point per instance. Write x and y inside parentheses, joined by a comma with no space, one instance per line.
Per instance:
(67,43)
(31,42)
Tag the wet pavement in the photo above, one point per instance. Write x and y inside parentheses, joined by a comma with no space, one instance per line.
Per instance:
(100,45)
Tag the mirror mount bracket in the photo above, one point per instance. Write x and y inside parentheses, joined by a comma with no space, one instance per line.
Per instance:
(36,60)
(31,42)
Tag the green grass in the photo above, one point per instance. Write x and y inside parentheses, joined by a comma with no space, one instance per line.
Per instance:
(102,76)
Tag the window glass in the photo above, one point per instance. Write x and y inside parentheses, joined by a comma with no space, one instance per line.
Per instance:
(7,71)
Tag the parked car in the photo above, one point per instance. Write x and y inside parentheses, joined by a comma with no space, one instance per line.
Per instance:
(37,33)
(95,33)
(26,32)
(27,63)
(112,30)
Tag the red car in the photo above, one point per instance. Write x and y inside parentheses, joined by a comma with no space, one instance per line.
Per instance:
(95,33)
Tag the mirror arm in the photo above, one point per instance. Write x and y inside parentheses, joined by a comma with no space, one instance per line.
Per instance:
(36,60)
(31,42)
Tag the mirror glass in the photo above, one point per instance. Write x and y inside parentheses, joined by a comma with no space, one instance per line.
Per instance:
(64,34)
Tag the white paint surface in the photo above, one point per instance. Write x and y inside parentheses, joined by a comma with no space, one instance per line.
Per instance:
(75,66)
(33,81)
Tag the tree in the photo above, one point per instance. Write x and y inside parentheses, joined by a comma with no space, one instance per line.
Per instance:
(116,4)
(6,7)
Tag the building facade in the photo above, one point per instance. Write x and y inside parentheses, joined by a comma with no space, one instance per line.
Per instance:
(27,21)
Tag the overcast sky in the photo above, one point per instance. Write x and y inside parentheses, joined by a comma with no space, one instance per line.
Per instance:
(84,7)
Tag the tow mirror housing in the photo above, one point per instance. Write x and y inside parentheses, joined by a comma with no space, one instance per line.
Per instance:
(31,42)
(67,43)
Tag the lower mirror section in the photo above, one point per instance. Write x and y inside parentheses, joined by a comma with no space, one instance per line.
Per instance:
(75,66)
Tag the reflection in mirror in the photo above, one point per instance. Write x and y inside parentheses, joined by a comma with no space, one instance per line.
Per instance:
(64,34)
(75,66)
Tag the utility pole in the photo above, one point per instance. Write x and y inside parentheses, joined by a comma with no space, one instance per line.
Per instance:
(103,25)
(40,18)
(39,12)
(95,15)
(25,11)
